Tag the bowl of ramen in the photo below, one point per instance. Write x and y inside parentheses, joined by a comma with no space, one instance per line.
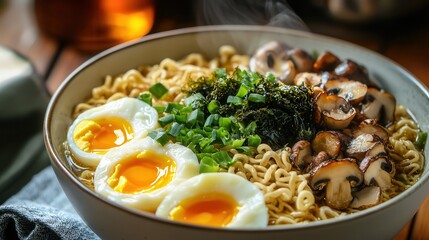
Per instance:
(240,132)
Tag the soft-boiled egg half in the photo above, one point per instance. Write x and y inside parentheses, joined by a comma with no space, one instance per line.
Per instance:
(140,173)
(97,130)
(216,200)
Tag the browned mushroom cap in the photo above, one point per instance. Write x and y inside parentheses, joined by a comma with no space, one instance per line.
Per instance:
(307,79)
(377,170)
(351,70)
(302,60)
(327,141)
(317,91)
(352,91)
(360,145)
(318,159)
(370,126)
(366,197)
(333,111)
(301,154)
(380,106)
(326,62)
(377,150)
(337,177)
(273,57)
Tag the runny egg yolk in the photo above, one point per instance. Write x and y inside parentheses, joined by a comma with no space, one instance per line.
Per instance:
(144,172)
(211,209)
(100,135)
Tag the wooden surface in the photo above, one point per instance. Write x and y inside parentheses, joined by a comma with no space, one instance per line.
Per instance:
(55,60)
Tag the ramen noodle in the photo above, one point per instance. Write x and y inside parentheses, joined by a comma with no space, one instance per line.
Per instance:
(287,193)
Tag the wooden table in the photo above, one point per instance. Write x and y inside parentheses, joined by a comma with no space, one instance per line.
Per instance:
(54,60)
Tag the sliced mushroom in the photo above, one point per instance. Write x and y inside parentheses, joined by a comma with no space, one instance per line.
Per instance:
(380,106)
(326,62)
(273,57)
(318,159)
(377,170)
(366,197)
(307,79)
(302,60)
(317,91)
(301,154)
(370,126)
(379,149)
(360,145)
(351,70)
(352,91)
(327,141)
(337,177)
(333,111)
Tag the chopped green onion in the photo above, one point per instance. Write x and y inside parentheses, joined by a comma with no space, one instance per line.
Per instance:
(173,107)
(193,99)
(160,136)
(421,140)
(220,73)
(242,91)
(158,90)
(246,150)
(159,109)
(210,120)
(207,164)
(175,129)
(213,106)
(181,118)
(269,77)
(146,97)
(209,149)
(166,120)
(225,122)
(196,116)
(238,143)
(222,158)
(253,140)
(234,100)
(257,98)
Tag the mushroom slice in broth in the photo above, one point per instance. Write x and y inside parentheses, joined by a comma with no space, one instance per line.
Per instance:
(327,141)
(377,171)
(333,111)
(380,106)
(338,178)
(366,197)
(352,91)
(370,126)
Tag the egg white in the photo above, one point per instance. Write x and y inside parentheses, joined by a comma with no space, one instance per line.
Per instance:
(186,167)
(140,115)
(252,213)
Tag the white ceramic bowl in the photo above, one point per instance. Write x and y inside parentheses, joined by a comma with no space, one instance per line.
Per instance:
(112,221)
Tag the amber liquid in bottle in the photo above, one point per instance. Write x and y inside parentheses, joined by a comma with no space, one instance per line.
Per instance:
(94,25)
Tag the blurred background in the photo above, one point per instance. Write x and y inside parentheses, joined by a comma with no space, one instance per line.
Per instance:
(56,36)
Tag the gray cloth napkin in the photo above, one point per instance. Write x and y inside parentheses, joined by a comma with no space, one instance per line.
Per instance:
(41,210)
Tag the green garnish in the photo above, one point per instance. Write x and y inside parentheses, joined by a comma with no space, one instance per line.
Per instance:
(158,90)
(146,97)
(421,140)
(208,164)
(159,135)
(283,113)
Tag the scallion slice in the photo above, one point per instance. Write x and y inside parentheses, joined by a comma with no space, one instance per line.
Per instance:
(146,97)
(257,98)
(158,90)
(159,135)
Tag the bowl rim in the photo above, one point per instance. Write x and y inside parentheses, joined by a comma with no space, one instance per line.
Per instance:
(56,161)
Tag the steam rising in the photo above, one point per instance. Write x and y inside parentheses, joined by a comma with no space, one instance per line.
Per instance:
(248,12)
